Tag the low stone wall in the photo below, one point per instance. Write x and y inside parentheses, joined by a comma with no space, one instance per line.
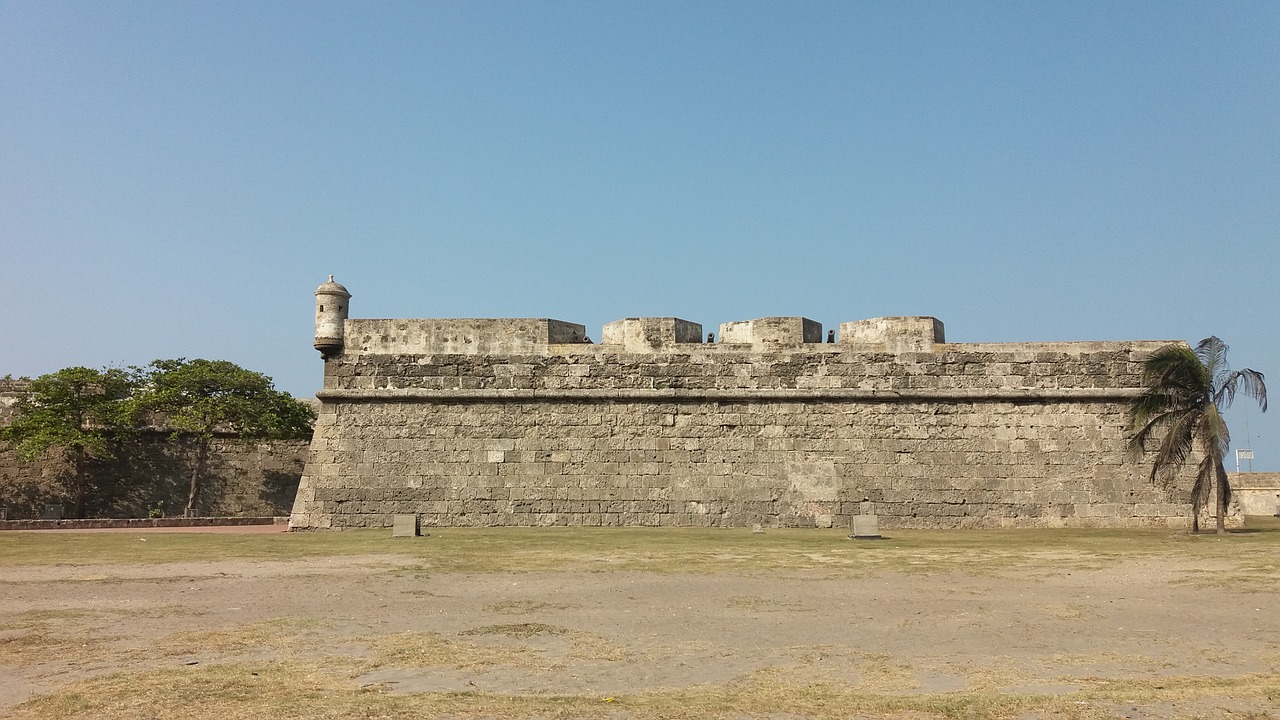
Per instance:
(152,472)
(1257,493)
(138,523)
(10,392)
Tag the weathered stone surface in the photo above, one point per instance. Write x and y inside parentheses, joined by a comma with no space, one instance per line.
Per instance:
(772,331)
(894,334)
(654,428)
(1256,493)
(11,391)
(404,526)
(865,527)
(462,336)
(650,333)
(332,300)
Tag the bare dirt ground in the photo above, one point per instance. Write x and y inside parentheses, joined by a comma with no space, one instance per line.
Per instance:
(1053,630)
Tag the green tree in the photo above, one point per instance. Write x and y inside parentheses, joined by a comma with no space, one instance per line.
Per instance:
(75,412)
(1186,392)
(202,398)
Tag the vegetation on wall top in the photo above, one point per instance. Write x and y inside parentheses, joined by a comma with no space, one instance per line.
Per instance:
(78,414)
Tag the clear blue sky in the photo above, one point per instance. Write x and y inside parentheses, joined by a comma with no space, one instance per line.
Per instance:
(177,177)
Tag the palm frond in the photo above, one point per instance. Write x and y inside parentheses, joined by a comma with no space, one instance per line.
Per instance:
(1203,486)
(1212,353)
(1176,369)
(1211,429)
(1153,423)
(1154,404)
(1249,382)
(1177,445)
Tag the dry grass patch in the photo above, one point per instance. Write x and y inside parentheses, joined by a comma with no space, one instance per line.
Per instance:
(238,691)
(1069,611)
(996,675)
(429,649)
(883,673)
(671,550)
(756,603)
(35,647)
(523,607)
(582,645)
(67,638)
(278,635)
(1247,576)
(1127,661)
(518,630)
(42,618)
(85,617)
(590,646)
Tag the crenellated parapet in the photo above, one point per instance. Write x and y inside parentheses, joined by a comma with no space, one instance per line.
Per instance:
(337,334)
(651,334)
(460,336)
(772,332)
(894,334)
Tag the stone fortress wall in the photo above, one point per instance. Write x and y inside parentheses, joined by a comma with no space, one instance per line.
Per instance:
(479,422)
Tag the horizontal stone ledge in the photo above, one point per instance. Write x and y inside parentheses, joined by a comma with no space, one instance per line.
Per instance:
(709,395)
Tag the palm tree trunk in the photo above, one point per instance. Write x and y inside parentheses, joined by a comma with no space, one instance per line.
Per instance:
(1223,495)
(1195,511)
(197,476)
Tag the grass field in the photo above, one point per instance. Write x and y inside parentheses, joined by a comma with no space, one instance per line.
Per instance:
(635,623)
(661,550)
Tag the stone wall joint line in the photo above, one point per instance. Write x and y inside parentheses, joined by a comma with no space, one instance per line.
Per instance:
(417,395)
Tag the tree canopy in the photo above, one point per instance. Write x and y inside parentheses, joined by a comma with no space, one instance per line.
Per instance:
(83,414)
(206,397)
(76,412)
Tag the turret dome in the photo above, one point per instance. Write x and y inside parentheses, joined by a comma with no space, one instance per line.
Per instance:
(332,288)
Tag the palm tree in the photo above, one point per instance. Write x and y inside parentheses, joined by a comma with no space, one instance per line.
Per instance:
(1186,392)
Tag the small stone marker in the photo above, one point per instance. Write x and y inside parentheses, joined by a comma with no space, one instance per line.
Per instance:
(865,525)
(404,526)
(757,528)
(52,512)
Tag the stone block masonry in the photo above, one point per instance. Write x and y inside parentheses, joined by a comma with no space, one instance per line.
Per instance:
(503,422)
(1256,493)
